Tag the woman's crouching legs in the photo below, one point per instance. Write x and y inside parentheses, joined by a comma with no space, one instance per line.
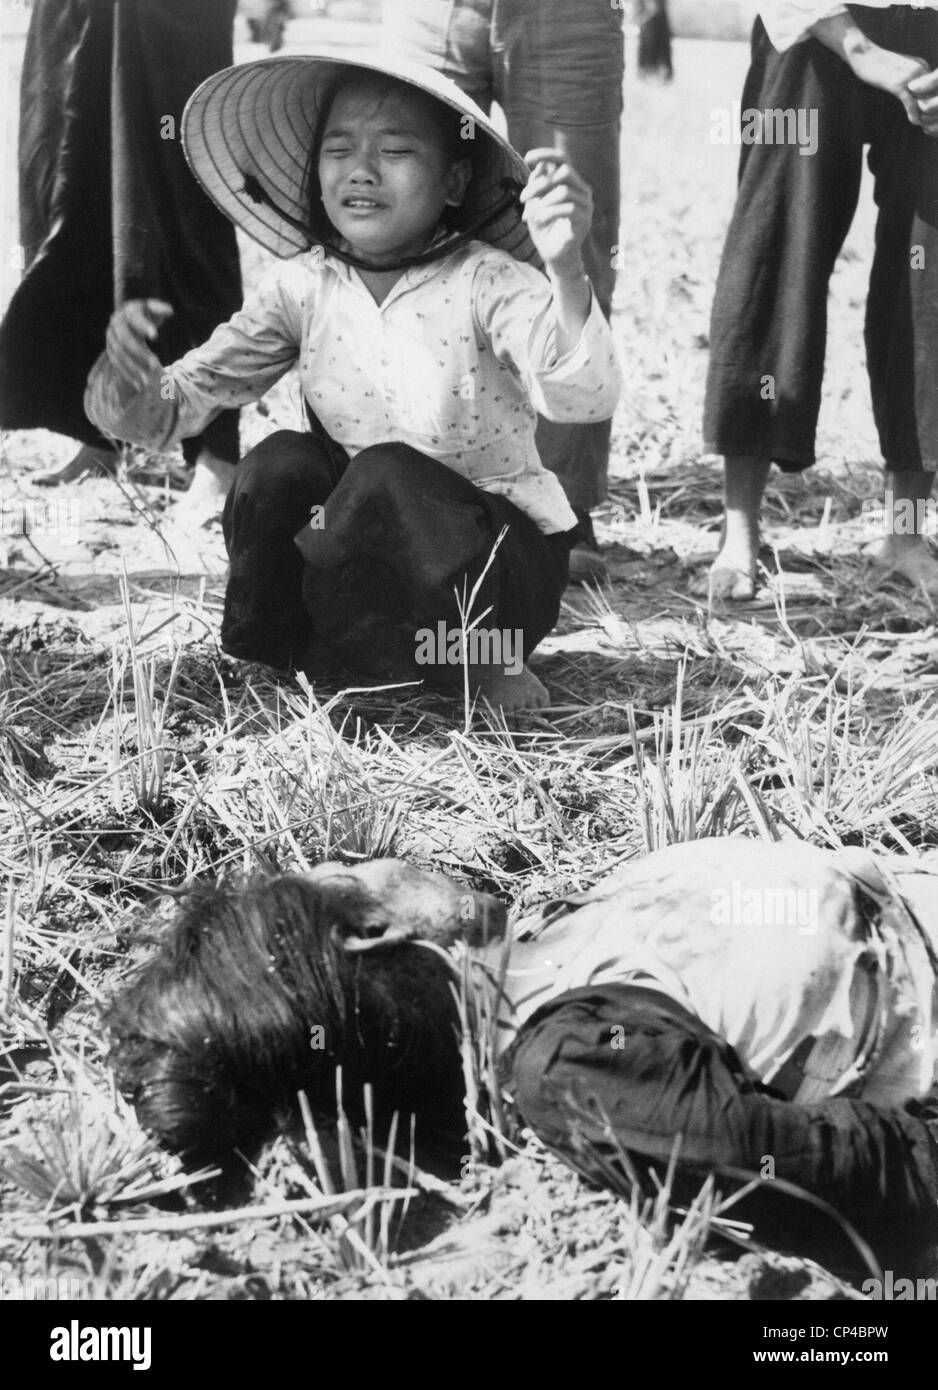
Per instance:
(404,541)
(276,488)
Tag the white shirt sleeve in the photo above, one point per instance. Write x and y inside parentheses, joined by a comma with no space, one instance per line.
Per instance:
(787,21)
(514,308)
(241,360)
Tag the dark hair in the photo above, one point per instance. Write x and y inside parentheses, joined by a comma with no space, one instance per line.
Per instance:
(449,125)
(217,1034)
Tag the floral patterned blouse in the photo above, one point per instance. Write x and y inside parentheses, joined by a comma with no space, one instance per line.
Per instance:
(457,361)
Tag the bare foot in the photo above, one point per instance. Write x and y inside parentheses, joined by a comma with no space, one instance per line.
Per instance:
(733,573)
(87,461)
(507,690)
(909,557)
(212,480)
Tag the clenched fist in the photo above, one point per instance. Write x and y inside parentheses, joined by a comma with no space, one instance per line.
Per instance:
(558,208)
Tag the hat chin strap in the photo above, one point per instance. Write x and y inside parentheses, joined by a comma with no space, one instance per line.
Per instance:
(258,194)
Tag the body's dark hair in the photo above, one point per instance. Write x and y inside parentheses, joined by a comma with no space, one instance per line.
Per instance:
(215,1036)
(447,122)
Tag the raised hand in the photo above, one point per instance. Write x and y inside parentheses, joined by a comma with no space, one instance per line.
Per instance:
(558,208)
(131,329)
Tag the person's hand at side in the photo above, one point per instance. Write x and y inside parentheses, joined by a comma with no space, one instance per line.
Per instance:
(892,72)
(924,91)
(876,66)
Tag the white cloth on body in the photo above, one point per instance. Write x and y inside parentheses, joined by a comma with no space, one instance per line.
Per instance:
(805,960)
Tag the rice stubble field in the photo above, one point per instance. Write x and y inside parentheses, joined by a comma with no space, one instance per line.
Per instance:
(135,758)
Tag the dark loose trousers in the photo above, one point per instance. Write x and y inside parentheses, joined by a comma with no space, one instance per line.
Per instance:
(792,214)
(109,209)
(622,1065)
(654,39)
(397,534)
(556,70)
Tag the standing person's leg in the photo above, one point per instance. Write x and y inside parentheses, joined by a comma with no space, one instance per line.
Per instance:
(621,1068)
(559,75)
(402,537)
(654,41)
(170,241)
(51,67)
(115,198)
(54,325)
(768,328)
(276,486)
(902,310)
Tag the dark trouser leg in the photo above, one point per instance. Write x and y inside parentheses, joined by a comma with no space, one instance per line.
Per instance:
(624,1066)
(654,43)
(54,325)
(556,69)
(402,535)
(902,308)
(769,322)
(276,486)
(104,191)
(560,70)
